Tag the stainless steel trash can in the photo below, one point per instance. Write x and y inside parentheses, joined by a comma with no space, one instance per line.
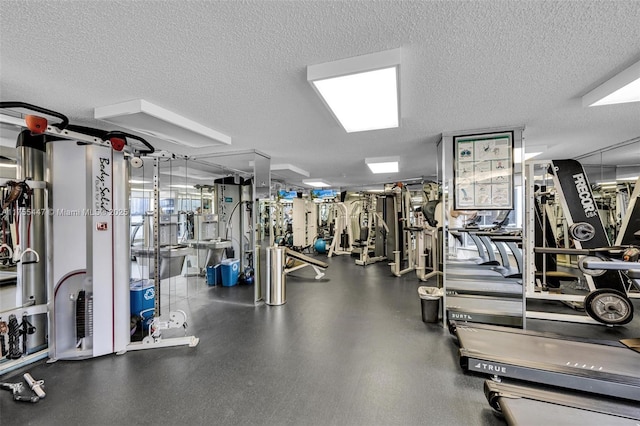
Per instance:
(276,279)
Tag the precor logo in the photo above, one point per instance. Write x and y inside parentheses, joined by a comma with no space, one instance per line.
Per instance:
(586,199)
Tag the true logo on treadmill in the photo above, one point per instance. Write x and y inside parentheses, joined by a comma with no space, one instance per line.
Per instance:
(491,368)
(586,198)
(461,316)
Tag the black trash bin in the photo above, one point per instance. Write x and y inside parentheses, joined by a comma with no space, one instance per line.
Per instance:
(430,303)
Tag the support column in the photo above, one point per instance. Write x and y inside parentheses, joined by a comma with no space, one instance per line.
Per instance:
(32,277)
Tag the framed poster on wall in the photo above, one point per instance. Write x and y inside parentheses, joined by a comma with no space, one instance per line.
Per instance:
(483,171)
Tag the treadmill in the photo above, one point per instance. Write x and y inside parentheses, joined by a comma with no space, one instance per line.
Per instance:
(505,282)
(487,296)
(500,240)
(486,239)
(502,288)
(485,309)
(606,368)
(536,405)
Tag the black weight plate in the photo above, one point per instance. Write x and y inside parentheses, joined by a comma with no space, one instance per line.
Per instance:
(609,306)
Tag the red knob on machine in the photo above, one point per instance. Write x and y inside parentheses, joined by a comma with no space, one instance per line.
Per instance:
(37,125)
(117,143)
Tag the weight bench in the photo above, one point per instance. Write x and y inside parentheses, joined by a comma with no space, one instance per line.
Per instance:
(304,260)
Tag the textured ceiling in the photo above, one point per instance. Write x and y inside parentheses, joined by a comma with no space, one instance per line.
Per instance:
(240,67)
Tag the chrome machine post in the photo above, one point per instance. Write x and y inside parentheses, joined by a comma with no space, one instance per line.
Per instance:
(32,276)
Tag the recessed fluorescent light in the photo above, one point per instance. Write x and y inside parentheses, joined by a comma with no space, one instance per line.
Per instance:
(383,164)
(141,190)
(317,183)
(180,186)
(8,165)
(626,94)
(366,101)
(361,92)
(621,88)
(149,119)
(138,181)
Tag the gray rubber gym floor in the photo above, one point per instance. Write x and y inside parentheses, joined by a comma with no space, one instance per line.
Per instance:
(350,349)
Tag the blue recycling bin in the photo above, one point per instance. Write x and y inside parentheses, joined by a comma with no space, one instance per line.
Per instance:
(214,275)
(230,272)
(142,294)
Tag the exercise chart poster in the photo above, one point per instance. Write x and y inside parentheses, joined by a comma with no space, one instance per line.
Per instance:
(483,172)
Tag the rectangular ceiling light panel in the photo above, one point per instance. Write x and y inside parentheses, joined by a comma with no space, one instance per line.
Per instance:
(383,164)
(149,119)
(360,102)
(361,92)
(316,183)
(621,88)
